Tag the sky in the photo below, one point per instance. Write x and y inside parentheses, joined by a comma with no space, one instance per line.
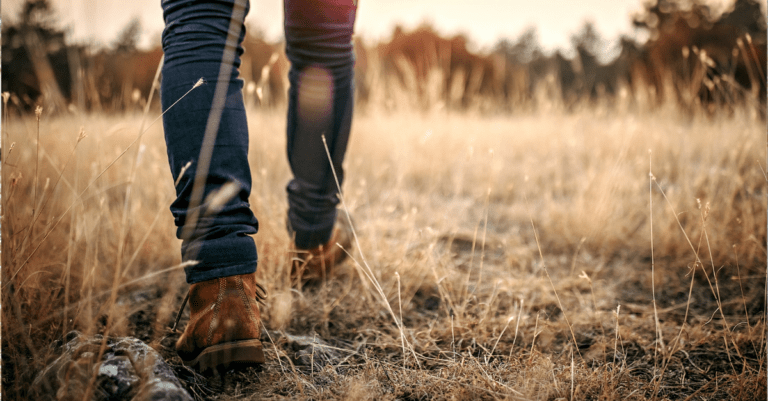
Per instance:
(483,21)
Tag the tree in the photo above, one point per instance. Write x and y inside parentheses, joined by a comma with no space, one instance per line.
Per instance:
(587,39)
(524,49)
(35,57)
(128,39)
(662,15)
(748,15)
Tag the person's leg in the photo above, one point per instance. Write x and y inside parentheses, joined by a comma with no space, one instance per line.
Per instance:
(318,36)
(207,128)
(194,42)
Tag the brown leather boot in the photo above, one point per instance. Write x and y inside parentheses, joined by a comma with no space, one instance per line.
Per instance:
(312,265)
(224,325)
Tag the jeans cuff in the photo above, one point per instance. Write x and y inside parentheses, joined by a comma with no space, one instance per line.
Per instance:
(224,271)
(312,239)
(219,257)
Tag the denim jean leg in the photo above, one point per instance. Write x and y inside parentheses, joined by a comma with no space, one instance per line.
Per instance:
(318,36)
(194,42)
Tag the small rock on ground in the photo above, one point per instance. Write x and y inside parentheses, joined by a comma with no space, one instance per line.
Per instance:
(128,370)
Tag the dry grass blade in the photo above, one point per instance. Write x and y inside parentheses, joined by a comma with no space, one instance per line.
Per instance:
(659,336)
(369,272)
(551,283)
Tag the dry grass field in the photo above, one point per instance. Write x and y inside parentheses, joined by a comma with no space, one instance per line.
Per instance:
(595,254)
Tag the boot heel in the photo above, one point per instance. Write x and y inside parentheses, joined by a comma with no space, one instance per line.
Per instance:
(227,355)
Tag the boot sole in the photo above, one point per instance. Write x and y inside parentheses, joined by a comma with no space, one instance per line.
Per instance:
(232,354)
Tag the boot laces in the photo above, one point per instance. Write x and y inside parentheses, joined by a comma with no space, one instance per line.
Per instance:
(260,294)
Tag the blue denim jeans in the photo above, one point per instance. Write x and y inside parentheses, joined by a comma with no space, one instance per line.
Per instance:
(206,132)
